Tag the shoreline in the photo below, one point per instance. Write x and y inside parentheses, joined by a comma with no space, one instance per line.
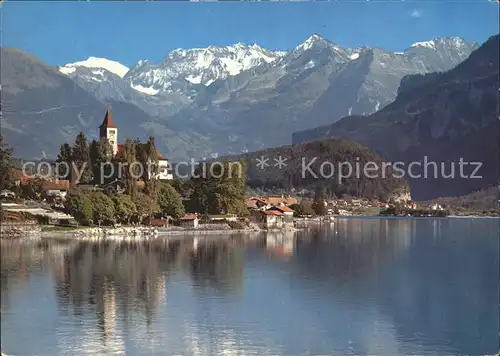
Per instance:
(142,233)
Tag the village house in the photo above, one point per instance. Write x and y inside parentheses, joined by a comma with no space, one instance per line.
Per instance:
(436,207)
(268,219)
(287,214)
(411,205)
(158,222)
(265,203)
(109,131)
(57,188)
(189,221)
(276,217)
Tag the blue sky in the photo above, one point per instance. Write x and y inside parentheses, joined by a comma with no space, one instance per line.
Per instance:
(63,32)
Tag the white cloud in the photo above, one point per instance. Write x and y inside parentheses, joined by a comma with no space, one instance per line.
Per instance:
(416,13)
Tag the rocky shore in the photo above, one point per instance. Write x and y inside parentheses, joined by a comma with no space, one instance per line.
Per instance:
(139,232)
(14,231)
(18,230)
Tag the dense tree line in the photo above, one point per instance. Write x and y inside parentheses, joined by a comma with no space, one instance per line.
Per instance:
(97,207)
(336,184)
(219,188)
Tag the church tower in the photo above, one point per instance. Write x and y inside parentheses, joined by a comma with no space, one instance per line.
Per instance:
(109,131)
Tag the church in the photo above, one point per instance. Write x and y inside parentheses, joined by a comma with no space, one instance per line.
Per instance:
(108,130)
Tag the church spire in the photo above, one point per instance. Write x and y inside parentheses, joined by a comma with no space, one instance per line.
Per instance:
(109,131)
(108,120)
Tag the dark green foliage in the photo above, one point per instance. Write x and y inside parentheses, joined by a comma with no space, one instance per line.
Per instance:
(304,208)
(219,189)
(145,205)
(100,152)
(34,189)
(103,208)
(125,208)
(147,156)
(127,175)
(335,151)
(5,165)
(81,159)
(182,186)
(64,156)
(79,206)
(170,202)
(318,204)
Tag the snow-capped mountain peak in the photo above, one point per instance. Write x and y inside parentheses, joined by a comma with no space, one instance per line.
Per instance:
(452,42)
(183,72)
(311,42)
(426,44)
(200,65)
(96,63)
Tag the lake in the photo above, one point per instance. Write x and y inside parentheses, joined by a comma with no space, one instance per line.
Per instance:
(356,287)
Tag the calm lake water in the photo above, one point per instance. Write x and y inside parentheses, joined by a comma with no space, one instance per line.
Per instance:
(360,286)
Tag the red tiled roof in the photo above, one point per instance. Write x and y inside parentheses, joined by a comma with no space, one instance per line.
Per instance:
(158,222)
(284,209)
(251,203)
(160,157)
(190,217)
(279,200)
(59,185)
(108,120)
(273,212)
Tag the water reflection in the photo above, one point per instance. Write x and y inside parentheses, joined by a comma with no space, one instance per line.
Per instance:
(393,286)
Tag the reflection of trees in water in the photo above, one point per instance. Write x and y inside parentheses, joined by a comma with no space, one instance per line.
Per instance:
(353,249)
(19,259)
(133,271)
(218,265)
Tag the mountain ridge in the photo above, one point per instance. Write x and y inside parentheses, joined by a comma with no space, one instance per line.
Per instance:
(253,109)
(443,116)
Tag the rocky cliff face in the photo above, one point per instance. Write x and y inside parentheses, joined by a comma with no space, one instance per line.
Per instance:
(444,117)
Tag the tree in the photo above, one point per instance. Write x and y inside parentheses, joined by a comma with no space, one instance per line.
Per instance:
(34,188)
(103,207)
(303,208)
(170,202)
(128,159)
(6,167)
(146,206)
(147,156)
(319,201)
(125,208)
(220,188)
(100,153)
(81,159)
(79,206)
(64,156)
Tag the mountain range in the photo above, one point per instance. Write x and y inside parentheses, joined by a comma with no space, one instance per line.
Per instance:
(446,117)
(197,102)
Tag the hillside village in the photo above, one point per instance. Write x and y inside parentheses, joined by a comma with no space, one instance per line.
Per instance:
(161,201)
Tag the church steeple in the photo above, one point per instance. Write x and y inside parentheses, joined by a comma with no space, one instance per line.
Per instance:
(109,131)
(108,120)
